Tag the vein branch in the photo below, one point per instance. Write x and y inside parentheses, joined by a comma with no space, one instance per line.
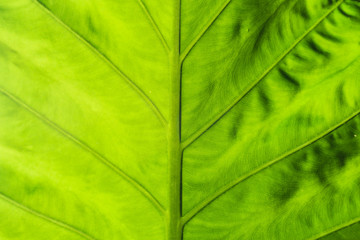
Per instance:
(203,31)
(99,54)
(87,148)
(187,217)
(46,218)
(208,125)
(154,26)
(336,229)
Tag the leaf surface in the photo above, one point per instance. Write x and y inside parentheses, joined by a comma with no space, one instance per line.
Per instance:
(180,120)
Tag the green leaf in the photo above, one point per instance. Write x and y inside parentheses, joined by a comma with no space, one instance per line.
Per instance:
(180,120)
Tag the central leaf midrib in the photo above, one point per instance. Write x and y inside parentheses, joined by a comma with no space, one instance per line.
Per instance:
(173,217)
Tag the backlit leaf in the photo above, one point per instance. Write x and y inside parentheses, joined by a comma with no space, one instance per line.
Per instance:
(180,119)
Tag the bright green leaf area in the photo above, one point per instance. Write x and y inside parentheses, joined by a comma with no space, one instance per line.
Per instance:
(179,119)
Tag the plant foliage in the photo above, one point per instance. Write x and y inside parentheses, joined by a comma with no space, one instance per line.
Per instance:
(169,119)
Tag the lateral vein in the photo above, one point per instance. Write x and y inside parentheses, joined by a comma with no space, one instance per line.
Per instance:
(46,218)
(203,31)
(212,122)
(87,148)
(187,217)
(154,26)
(336,228)
(99,54)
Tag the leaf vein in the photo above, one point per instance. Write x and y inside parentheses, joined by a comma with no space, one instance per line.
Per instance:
(154,25)
(203,31)
(101,56)
(335,229)
(46,218)
(187,217)
(212,122)
(87,148)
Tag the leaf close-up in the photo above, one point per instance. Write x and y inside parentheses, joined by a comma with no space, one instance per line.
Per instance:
(179,119)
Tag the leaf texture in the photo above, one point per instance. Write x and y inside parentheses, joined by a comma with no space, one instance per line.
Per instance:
(180,120)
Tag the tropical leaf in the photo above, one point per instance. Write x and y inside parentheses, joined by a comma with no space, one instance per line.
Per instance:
(191,119)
